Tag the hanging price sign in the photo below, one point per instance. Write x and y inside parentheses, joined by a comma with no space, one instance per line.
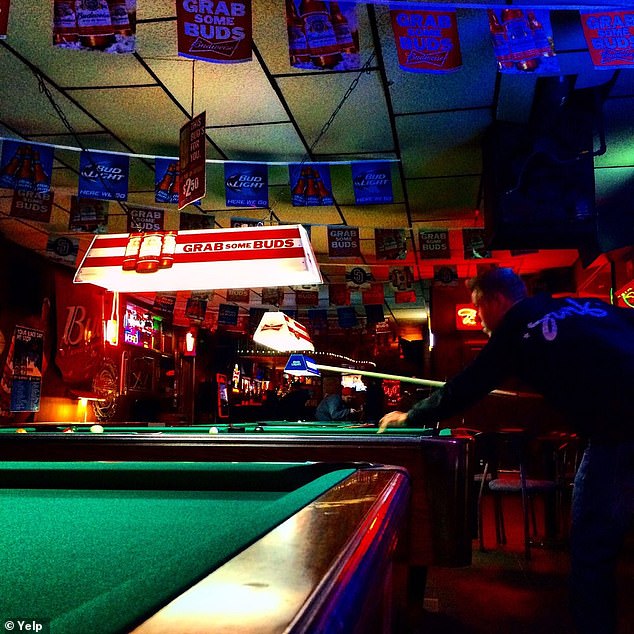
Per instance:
(192,161)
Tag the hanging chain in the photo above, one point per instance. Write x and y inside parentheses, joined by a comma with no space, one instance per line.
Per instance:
(60,113)
(364,69)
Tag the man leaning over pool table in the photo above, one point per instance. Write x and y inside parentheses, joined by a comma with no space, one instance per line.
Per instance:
(579,354)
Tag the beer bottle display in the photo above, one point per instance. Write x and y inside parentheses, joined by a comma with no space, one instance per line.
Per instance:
(119,17)
(312,190)
(500,41)
(542,42)
(24,177)
(325,196)
(298,194)
(320,34)
(520,38)
(150,252)
(131,255)
(41,182)
(64,22)
(167,186)
(94,24)
(297,44)
(343,34)
(8,176)
(169,249)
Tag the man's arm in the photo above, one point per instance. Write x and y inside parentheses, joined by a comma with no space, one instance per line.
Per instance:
(489,368)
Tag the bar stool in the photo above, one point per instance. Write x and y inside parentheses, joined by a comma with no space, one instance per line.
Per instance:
(506,470)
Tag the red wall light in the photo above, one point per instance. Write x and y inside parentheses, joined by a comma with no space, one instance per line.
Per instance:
(190,342)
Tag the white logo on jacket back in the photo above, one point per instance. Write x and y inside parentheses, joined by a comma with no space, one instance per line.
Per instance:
(549,320)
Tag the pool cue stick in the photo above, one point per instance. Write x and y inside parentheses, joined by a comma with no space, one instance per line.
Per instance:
(409,379)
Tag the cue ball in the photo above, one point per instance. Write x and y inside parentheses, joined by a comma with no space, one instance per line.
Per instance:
(213,430)
(259,428)
(96,429)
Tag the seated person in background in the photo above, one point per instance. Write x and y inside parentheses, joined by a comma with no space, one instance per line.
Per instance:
(374,401)
(338,405)
(293,404)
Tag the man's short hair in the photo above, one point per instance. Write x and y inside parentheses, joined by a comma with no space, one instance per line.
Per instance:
(499,280)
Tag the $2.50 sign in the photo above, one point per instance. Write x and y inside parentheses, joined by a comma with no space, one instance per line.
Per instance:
(192,161)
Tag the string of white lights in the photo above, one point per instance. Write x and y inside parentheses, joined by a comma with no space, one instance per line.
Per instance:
(272,353)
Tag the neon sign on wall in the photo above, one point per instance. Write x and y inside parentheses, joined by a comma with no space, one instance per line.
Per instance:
(467,318)
(628,297)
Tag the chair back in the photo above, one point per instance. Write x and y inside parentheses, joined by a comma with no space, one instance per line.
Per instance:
(503,451)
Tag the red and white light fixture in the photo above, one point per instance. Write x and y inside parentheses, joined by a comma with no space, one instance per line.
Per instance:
(280,332)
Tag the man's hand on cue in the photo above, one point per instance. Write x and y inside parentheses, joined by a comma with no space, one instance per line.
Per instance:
(393,419)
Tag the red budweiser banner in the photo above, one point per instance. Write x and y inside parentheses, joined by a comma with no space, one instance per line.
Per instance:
(4,18)
(339,295)
(343,241)
(145,218)
(79,330)
(426,41)
(238,295)
(434,244)
(193,183)
(219,32)
(374,295)
(32,205)
(200,260)
(610,38)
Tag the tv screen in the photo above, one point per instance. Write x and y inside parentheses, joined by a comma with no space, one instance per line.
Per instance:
(140,327)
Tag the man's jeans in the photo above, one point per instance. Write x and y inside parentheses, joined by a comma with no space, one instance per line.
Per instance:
(602,512)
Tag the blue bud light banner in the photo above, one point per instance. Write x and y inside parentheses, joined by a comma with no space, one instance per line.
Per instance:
(166,181)
(426,41)
(346,316)
(523,40)
(310,184)
(228,315)
(323,35)
(103,176)
(610,38)
(372,183)
(26,166)
(246,185)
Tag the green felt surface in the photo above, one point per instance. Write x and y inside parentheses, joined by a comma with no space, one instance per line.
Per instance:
(101,560)
(272,427)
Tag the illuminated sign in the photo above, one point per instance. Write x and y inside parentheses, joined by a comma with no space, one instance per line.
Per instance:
(140,328)
(281,332)
(244,257)
(467,318)
(627,296)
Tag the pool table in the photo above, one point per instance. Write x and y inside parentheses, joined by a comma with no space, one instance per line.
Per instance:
(198,546)
(440,467)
